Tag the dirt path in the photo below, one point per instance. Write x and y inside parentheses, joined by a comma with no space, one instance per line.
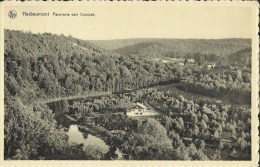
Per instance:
(75,97)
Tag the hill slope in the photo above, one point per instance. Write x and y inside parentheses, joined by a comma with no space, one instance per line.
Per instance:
(118,43)
(173,47)
(241,57)
(45,66)
(42,66)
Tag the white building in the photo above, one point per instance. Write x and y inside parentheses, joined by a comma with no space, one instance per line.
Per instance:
(210,65)
(137,110)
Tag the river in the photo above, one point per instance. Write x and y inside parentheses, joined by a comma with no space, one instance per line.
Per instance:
(76,136)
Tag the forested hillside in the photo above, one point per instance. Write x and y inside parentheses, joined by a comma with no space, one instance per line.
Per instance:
(118,43)
(46,67)
(39,67)
(177,47)
(241,57)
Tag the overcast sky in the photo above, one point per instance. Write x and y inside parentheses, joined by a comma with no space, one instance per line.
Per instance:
(153,20)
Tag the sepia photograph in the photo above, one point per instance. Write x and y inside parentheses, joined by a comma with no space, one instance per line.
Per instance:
(129,82)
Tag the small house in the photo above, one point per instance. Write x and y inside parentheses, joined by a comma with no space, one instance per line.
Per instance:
(137,110)
(210,65)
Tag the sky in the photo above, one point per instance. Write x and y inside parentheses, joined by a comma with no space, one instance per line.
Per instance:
(133,20)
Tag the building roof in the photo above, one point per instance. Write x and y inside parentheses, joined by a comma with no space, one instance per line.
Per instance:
(136,107)
(140,105)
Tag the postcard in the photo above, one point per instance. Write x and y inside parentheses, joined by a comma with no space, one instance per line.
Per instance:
(129,83)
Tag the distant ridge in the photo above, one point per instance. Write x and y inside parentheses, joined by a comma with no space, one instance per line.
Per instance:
(119,43)
(215,46)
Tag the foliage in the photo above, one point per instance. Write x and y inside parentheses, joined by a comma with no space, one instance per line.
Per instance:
(40,67)
(31,133)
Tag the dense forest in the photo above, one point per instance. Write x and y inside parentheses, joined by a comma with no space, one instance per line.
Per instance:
(213,48)
(41,67)
(189,129)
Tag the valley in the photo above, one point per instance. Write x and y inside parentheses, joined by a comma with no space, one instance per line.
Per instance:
(132,99)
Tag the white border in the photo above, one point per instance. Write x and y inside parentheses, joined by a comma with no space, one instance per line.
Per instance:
(254,83)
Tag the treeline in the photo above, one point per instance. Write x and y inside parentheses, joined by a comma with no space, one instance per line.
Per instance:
(222,52)
(226,83)
(241,58)
(182,47)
